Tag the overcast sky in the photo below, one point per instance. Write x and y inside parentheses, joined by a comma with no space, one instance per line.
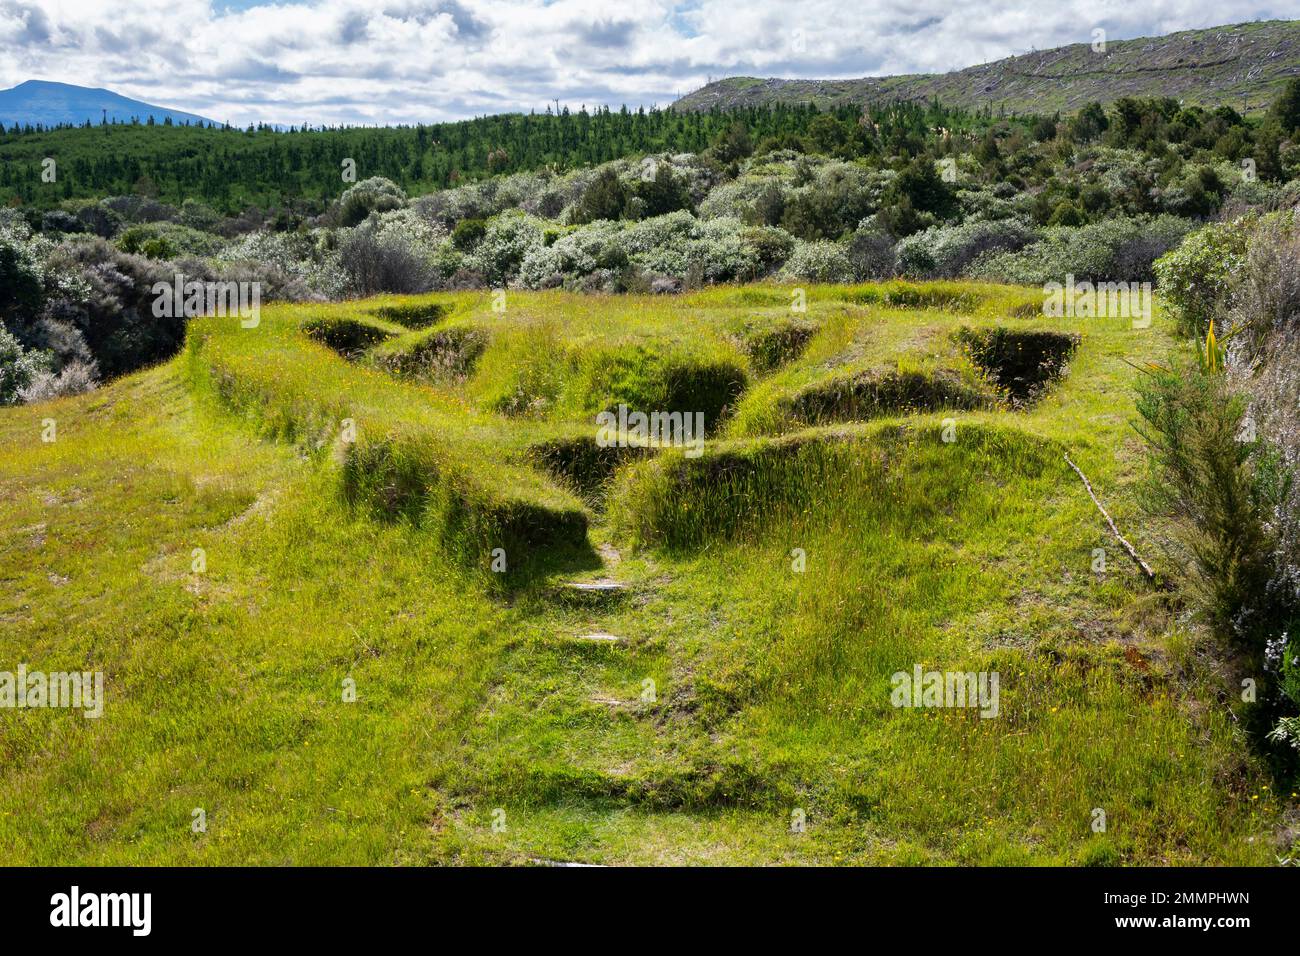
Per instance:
(393,61)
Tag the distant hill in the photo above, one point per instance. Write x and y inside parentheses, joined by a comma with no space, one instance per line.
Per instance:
(40,101)
(1242,65)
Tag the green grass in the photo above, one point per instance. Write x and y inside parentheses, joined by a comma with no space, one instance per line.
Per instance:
(743,690)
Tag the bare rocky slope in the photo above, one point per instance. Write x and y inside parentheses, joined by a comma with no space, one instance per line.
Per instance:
(1241,65)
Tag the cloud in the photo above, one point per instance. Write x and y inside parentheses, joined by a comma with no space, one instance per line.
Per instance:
(35,24)
(468,26)
(607,34)
(399,61)
(354,27)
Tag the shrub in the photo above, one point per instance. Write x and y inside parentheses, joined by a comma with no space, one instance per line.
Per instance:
(373,264)
(1208,480)
(605,198)
(468,233)
(871,252)
(682,247)
(303,265)
(506,241)
(140,208)
(920,185)
(198,215)
(18,368)
(76,378)
(1195,277)
(165,240)
(944,252)
(1265,299)
(664,193)
(1264,352)
(376,194)
(1067,213)
(111,305)
(58,220)
(819,262)
(22,273)
(767,248)
(755,198)
(1119,249)
(99,219)
(573,255)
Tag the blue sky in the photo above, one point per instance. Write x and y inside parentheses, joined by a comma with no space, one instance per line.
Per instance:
(392,61)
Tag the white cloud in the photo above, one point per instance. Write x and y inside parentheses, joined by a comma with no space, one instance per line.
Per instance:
(392,61)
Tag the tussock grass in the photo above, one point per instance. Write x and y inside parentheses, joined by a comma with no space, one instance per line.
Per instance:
(436,356)
(771,347)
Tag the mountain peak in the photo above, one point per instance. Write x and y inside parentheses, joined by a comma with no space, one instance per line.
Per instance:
(51,103)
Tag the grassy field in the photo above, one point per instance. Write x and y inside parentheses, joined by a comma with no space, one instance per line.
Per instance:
(870,498)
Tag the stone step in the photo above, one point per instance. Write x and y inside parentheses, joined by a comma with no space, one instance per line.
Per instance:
(600,586)
(600,637)
(537,861)
(599,591)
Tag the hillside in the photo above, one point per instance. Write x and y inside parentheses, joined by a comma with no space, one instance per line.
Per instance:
(1241,65)
(342,679)
(39,102)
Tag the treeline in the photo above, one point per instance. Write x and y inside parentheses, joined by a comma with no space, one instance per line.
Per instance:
(231,169)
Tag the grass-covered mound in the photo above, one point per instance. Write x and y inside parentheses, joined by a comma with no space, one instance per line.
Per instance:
(534,372)
(936,296)
(760,483)
(405,453)
(433,355)
(871,394)
(335,683)
(774,345)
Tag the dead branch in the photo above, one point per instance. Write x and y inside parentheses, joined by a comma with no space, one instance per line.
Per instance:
(1132,552)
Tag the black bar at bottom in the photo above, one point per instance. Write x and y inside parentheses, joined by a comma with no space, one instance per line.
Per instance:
(335,905)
